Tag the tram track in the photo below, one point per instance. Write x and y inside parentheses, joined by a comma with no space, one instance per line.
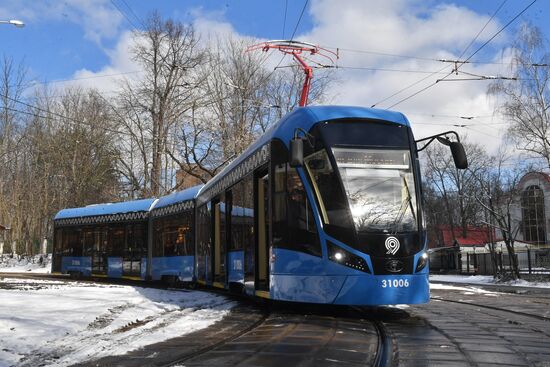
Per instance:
(218,343)
(514,312)
(260,334)
(385,351)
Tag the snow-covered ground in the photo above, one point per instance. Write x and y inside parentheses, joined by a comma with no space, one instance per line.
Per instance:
(33,265)
(57,324)
(484,279)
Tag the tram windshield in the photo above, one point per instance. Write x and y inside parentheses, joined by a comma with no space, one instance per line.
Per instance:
(364,178)
(379,186)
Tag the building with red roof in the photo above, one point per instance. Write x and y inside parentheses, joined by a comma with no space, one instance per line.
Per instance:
(475,236)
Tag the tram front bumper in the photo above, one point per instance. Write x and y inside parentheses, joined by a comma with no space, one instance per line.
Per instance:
(384,290)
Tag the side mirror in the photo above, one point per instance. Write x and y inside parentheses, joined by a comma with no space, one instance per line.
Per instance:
(459,155)
(296,152)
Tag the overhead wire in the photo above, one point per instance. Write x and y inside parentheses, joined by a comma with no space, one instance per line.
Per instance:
(474,53)
(70,119)
(134,14)
(423,58)
(124,15)
(299,20)
(284,20)
(440,70)
(291,38)
(378,69)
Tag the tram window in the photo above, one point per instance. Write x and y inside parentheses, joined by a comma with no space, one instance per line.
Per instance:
(172,235)
(279,205)
(169,234)
(301,223)
(294,225)
(88,238)
(117,241)
(183,239)
(204,227)
(242,214)
(331,200)
(157,238)
(237,217)
(135,245)
(73,244)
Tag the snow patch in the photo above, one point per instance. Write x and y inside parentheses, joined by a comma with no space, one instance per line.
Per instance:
(484,279)
(58,324)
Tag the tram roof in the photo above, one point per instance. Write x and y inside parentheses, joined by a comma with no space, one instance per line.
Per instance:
(177,197)
(305,118)
(143,205)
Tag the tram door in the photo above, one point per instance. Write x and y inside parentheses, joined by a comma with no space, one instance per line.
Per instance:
(219,255)
(262,231)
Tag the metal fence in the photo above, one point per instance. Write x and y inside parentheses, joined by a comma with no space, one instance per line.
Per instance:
(530,261)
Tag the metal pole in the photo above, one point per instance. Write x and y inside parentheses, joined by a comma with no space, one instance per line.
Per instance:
(15,22)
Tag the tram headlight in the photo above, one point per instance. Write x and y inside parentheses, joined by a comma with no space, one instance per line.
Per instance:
(422,262)
(346,258)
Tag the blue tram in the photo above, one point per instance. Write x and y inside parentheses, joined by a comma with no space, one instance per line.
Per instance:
(172,247)
(107,240)
(324,208)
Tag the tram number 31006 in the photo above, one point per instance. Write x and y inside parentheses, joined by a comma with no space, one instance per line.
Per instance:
(395,283)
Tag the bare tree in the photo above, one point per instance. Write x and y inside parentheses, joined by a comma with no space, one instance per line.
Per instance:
(239,99)
(12,121)
(149,108)
(499,195)
(455,188)
(526,100)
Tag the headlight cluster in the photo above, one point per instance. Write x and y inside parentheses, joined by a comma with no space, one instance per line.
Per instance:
(422,262)
(341,256)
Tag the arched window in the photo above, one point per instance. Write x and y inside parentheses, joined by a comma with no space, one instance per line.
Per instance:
(534,229)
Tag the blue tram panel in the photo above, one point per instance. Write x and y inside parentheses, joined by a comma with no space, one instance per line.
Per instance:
(341,225)
(76,264)
(180,267)
(236,267)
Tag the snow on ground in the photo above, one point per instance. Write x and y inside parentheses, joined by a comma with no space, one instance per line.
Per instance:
(465,290)
(483,279)
(32,264)
(58,324)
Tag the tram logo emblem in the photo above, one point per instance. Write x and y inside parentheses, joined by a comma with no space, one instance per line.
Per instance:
(392,245)
(394,266)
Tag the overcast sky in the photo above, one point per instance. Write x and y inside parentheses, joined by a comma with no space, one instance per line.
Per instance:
(391,44)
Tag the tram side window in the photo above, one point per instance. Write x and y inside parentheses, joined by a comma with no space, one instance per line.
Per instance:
(279,206)
(182,236)
(62,242)
(135,245)
(117,241)
(73,243)
(301,223)
(204,227)
(169,235)
(157,237)
(204,239)
(185,234)
(88,238)
(248,211)
(242,214)
(294,225)
(237,217)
